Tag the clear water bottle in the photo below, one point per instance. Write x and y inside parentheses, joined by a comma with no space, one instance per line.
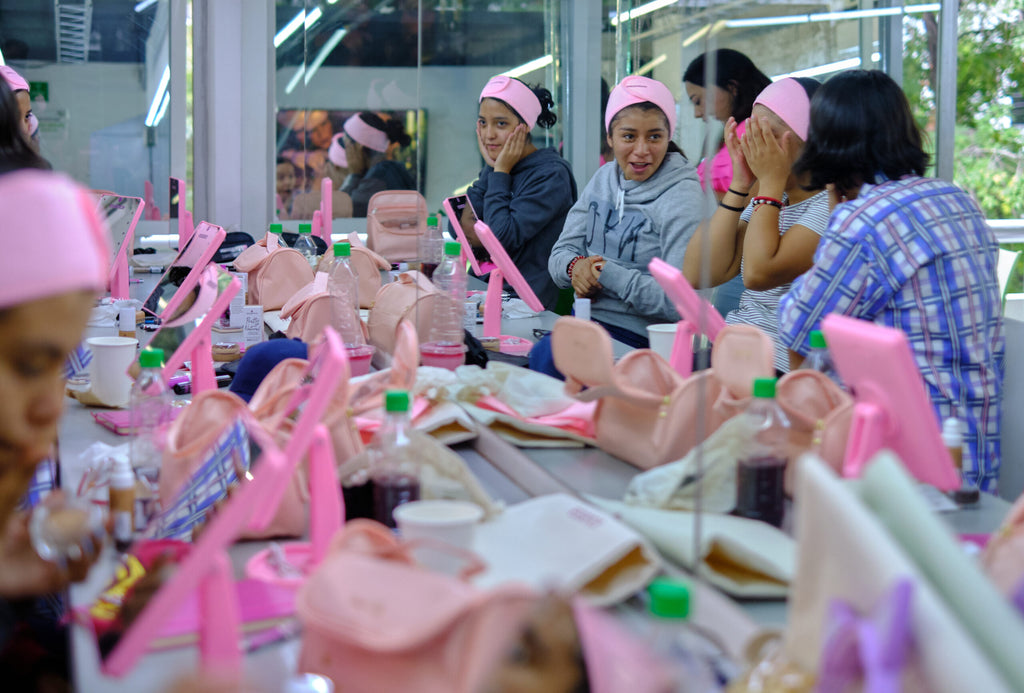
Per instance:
(151,402)
(446,347)
(819,359)
(759,475)
(305,245)
(690,657)
(395,472)
(277,229)
(343,289)
(431,247)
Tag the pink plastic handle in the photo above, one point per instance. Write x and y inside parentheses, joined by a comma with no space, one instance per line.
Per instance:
(492,304)
(682,348)
(119,269)
(219,618)
(467,249)
(317,223)
(690,305)
(326,209)
(186,226)
(326,506)
(507,267)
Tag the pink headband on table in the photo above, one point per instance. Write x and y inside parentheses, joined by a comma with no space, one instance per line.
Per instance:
(788,100)
(53,241)
(635,89)
(367,135)
(15,81)
(616,661)
(336,152)
(519,97)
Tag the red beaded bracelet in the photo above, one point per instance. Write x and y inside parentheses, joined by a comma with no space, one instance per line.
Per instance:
(763,200)
(572,263)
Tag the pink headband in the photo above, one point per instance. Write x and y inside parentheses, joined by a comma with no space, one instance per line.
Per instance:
(519,97)
(615,659)
(336,152)
(15,81)
(53,242)
(635,89)
(788,100)
(365,134)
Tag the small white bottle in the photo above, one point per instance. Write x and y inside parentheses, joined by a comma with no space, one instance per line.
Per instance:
(968,494)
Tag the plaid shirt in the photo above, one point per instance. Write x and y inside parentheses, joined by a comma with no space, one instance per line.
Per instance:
(917,255)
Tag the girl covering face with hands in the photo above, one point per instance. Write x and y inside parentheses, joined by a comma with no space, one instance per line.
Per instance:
(523,192)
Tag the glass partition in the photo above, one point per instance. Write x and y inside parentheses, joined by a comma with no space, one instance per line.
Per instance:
(98,76)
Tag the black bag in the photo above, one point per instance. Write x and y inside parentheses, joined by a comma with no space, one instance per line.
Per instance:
(477,355)
(290,238)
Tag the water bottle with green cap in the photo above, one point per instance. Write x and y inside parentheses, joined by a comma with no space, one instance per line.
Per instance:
(446,347)
(760,473)
(395,470)
(819,358)
(343,289)
(276,228)
(305,245)
(692,657)
(151,402)
(431,247)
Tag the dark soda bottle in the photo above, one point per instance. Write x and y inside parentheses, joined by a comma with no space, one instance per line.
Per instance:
(395,471)
(760,475)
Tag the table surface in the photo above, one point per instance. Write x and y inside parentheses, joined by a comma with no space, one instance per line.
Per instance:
(586,470)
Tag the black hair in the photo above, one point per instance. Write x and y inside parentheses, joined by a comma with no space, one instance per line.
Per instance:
(647,106)
(282,160)
(734,72)
(547,117)
(392,127)
(861,125)
(16,152)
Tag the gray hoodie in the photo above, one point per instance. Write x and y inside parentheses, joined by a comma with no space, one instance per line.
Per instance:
(653,218)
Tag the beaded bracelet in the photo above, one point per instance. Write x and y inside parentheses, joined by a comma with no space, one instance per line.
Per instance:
(737,192)
(730,207)
(762,200)
(572,263)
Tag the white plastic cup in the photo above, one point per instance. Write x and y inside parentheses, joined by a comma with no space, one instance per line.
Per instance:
(662,336)
(449,521)
(108,370)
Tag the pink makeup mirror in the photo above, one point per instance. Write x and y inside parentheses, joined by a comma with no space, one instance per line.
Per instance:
(892,408)
(178,198)
(322,226)
(206,567)
(121,214)
(454,208)
(192,259)
(187,334)
(492,303)
(698,315)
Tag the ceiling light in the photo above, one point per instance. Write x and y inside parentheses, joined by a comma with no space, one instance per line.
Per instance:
(145,4)
(158,97)
(325,50)
(643,9)
(529,67)
(289,29)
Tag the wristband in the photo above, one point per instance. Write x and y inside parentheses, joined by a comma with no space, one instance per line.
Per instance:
(737,192)
(572,263)
(730,207)
(762,200)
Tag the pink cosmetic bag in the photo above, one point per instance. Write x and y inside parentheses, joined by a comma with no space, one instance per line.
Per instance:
(410,297)
(309,310)
(367,266)
(395,220)
(275,271)
(375,622)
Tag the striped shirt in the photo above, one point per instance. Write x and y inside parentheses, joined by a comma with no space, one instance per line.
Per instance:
(761,308)
(916,254)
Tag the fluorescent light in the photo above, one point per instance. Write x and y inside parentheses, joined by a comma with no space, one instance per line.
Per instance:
(526,68)
(325,50)
(289,29)
(822,69)
(294,81)
(651,65)
(313,17)
(830,16)
(163,109)
(643,9)
(158,95)
(141,6)
(2,58)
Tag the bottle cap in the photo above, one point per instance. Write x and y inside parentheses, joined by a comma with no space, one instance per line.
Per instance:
(396,401)
(452,247)
(305,227)
(121,473)
(764,387)
(276,228)
(342,249)
(151,358)
(952,433)
(432,220)
(669,598)
(817,339)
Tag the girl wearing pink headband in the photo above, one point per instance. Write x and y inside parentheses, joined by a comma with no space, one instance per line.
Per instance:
(19,86)
(335,168)
(523,192)
(767,225)
(16,150)
(370,142)
(644,204)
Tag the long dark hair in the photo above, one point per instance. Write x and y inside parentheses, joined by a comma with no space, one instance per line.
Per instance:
(735,73)
(547,117)
(15,150)
(861,125)
(392,127)
(647,106)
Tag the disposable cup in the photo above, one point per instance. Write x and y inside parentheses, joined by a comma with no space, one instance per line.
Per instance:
(449,356)
(359,358)
(662,337)
(108,370)
(451,522)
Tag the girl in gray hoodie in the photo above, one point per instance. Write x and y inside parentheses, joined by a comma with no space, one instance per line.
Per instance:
(645,204)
